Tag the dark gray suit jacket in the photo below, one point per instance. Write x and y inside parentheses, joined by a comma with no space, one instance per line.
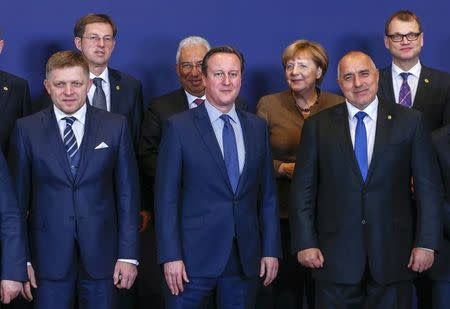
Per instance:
(432,97)
(14,103)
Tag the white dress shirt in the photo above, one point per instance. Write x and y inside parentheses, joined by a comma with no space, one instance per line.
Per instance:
(191,98)
(370,122)
(217,124)
(413,80)
(105,86)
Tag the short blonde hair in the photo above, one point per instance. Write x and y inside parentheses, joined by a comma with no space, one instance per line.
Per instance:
(317,52)
(66,59)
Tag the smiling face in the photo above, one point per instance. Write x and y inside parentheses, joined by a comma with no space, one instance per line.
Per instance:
(68,88)
(189,68)
(302,73)
(97,44)
(405,50)
(358,79)
(223,79)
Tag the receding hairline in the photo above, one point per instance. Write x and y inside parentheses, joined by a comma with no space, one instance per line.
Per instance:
(355,53)
(191,41)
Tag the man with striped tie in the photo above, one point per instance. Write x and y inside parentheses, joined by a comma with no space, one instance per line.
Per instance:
(76,172)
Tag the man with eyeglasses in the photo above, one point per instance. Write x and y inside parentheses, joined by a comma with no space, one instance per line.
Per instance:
(414,85)
(407,81)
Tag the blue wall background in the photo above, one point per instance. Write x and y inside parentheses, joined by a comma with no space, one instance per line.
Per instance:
(149,32)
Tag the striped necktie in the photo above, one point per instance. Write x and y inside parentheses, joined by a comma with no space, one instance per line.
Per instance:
(70,142)
(404,97)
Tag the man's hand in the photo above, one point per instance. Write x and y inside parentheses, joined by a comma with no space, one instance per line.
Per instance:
(311,258)
(145,219)
(286,169)
(175,274)
(31,283)
(9,290)
(269,268)
(124,275)
(420,259)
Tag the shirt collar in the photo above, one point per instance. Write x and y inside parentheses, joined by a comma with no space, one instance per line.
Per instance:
(104,75)
(415,70)
(80,114)
(370,110)
(191,98)
(215,114)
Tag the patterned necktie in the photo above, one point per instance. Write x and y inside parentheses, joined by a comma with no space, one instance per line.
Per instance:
(99,99)
(70,142)
(199,101)
(361,144)
(404,97)
(230,153)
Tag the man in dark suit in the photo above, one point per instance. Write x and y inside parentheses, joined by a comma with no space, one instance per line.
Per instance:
(76,174)
(14,103)
(189,56)
(215,204)
(429,89)
(13,240)
(440,272)
(353,218)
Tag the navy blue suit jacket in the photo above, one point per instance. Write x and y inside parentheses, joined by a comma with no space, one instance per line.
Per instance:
(197,213)
(14,103)
(126,100)
(441,266)
(432,97)
(98,208)
(377,221)
(12,230)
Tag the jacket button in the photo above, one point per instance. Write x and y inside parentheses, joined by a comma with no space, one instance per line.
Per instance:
(363,221)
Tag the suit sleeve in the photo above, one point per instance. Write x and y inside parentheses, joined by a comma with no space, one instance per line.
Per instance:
(137,115)
(19,162)
(446,114)
(167,196)
(428,189)
(304,191)
(148,154)
(127,196)
(269,206)
(12,230)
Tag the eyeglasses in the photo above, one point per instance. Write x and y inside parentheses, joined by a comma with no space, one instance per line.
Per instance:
(95,39)
(398,37)
(188,66)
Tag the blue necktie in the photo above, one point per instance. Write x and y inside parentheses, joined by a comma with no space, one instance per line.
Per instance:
(70,142)
(230,154)
(361,144)
(404,97)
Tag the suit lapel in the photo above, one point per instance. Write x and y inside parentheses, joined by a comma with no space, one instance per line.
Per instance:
(89,137)
(341,126)
(208,136)
(248,145)
(115,90)
(5,88)
(383,129)
(423,89)
(50,124)
(386,85)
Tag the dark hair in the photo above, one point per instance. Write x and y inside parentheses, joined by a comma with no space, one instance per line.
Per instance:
(403,15)
(224,49)
(66,59)
(80,26)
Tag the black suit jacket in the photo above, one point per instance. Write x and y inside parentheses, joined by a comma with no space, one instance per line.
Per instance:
(441,266)
(14,103)
(159,110)
(126,100)
(352,221)
(432,97)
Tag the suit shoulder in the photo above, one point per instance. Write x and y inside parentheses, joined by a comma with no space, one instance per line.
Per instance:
(331,98)
(124,77)
(164,99)
(441,134)
(13,78)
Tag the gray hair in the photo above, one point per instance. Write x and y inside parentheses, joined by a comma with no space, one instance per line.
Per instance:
(189,41)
